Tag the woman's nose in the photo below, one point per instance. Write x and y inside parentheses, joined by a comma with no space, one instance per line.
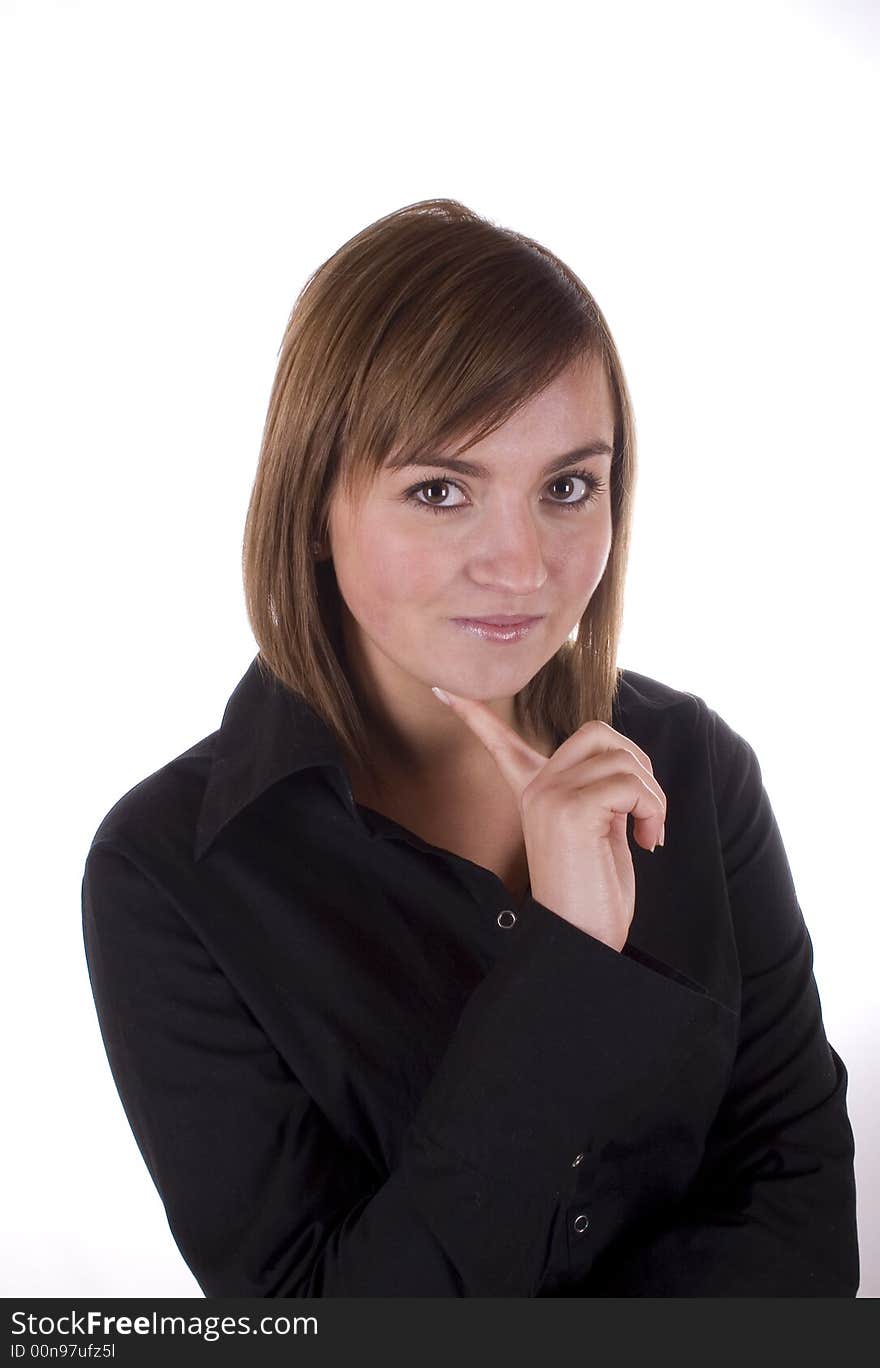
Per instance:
(510,552)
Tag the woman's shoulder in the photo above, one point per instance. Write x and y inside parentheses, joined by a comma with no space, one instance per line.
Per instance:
(678,728)
(641,690)
(645,705)
(162,809)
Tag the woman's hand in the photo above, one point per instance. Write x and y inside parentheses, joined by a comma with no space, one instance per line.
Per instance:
(573,807)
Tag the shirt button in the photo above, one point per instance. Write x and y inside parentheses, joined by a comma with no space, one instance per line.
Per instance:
(581,1222)
(505,914)
(577,1159)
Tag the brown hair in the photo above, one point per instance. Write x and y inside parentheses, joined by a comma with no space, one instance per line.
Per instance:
(430,324)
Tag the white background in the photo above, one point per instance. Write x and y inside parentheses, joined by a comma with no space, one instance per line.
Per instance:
(172,173)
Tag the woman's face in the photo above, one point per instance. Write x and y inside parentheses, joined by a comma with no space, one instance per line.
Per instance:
(514,540)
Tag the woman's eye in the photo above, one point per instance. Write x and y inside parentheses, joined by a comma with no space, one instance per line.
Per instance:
(433,487)
(443,483)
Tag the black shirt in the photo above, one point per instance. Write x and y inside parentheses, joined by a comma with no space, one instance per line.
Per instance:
(354,1068)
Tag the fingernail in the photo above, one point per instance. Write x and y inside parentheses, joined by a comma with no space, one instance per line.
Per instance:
(444,697)
(662,837)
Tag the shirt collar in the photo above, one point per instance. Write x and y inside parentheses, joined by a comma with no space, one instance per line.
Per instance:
(267,733)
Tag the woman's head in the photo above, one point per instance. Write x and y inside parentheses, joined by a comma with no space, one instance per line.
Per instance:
(434,336)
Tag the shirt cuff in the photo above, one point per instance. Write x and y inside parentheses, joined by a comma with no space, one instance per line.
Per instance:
(562,1047)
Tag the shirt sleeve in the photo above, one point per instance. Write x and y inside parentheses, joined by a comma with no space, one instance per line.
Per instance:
(264,1198)
(772,1211)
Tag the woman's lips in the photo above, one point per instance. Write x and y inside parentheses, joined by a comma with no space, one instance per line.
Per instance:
(511,629)
(499,621)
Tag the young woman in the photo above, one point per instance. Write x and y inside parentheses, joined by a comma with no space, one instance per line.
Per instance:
(395,1001)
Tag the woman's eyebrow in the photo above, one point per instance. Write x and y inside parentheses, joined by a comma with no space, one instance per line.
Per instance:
(480,472)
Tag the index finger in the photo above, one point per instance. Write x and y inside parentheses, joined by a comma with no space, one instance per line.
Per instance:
(516,759)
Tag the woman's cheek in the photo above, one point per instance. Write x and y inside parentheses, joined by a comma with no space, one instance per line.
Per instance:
(410,570)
